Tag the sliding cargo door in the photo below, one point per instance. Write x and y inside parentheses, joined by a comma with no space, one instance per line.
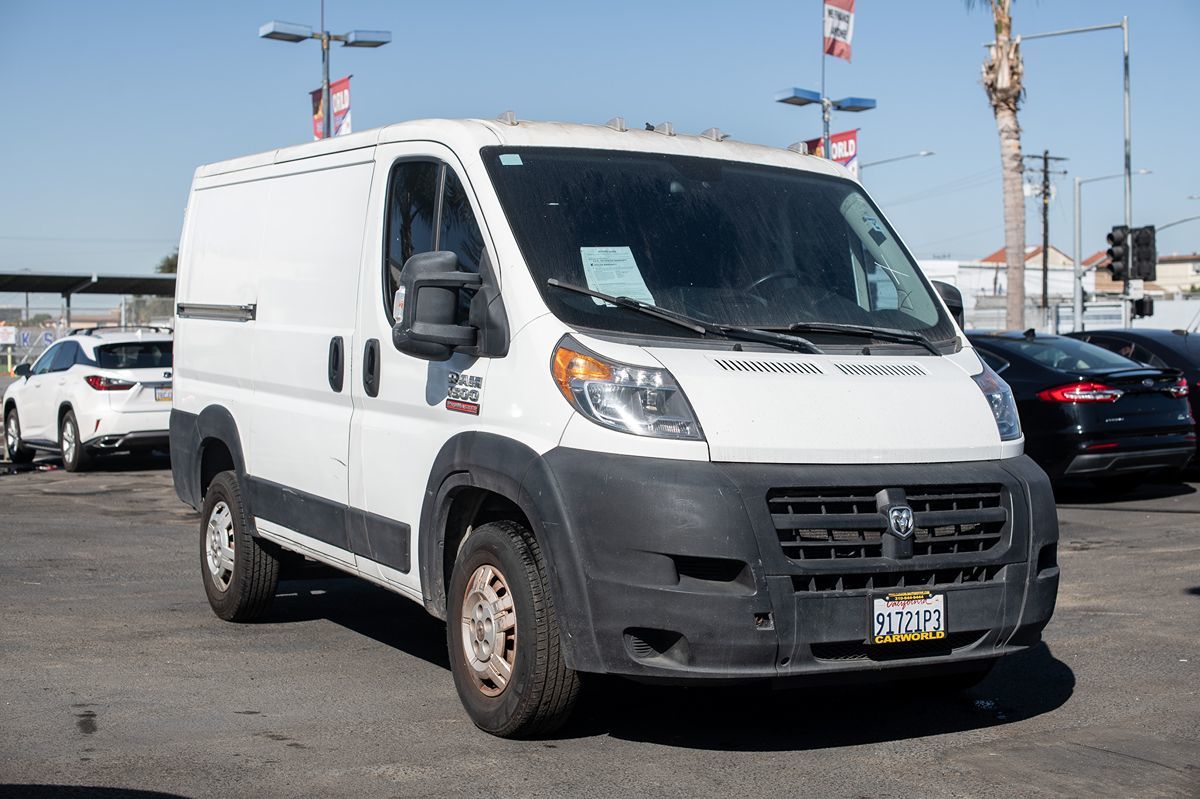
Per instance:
(304,333)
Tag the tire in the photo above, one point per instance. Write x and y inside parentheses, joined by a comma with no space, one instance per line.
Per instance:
(74,456)
(240,572)
(17,452)
(500,564)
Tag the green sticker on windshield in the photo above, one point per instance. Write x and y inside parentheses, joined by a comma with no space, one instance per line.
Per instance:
(612,270)
(510,159)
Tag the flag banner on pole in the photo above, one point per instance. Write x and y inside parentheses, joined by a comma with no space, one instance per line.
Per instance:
(839,27)
(339,96)
(844,146)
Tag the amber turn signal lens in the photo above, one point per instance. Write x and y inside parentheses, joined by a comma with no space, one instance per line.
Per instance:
(571,365)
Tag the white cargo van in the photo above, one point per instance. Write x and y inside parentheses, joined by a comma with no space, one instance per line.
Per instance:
(606,400)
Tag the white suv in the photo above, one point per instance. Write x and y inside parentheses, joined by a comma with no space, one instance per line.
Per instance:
(97,390)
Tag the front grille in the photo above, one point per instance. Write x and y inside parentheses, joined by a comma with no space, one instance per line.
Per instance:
(838,523)
(866,582)
(857,650)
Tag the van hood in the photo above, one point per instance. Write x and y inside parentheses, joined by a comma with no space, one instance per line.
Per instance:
(785,408)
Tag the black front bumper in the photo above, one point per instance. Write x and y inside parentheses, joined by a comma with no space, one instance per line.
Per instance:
(684,577)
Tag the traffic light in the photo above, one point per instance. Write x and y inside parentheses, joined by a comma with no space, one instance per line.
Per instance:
(1145,254)
(1143,307)
(1118,252)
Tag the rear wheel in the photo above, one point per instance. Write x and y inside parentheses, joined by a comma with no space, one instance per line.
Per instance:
(240,571)
(17,452)
(505,647)
(74,456)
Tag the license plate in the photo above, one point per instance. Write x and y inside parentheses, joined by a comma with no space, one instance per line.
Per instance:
(162,394)
(908,616)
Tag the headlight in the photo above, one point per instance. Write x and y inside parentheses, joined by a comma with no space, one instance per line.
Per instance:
(632,399)
(1004,405)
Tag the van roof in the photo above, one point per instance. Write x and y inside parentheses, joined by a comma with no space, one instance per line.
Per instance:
(473,134)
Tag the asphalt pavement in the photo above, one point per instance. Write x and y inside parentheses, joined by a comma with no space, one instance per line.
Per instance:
(117,677)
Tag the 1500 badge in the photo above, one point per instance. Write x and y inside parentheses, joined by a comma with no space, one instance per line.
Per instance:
(463,393)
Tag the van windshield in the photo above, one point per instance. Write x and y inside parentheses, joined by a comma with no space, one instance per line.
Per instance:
(727,242)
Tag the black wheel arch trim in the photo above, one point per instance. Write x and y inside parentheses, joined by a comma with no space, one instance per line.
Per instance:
(188,434)
(516,472)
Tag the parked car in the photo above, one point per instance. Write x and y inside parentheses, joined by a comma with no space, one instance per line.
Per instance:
(1166,349)
(97,390)
(1089,412)
(672,407)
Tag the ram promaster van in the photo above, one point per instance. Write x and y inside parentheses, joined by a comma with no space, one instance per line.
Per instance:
(606,400)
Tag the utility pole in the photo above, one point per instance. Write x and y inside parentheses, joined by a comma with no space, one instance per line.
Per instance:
(1046,158)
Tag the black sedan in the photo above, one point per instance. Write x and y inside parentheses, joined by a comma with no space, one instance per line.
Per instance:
(1167,349)
(1088,412)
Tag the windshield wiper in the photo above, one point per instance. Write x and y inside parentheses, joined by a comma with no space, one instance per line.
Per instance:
(697,326)
(880,333)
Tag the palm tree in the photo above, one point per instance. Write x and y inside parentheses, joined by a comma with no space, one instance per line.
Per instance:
(1002,80)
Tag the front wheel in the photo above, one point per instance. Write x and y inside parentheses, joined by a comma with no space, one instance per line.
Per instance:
(505,647)
(74,456)
(17,452)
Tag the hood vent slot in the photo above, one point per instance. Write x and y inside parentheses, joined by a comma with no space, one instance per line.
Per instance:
(768,367)
(881,369)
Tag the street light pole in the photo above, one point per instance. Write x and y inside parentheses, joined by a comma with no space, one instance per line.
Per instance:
(327,109)
(289,32)
(921,154)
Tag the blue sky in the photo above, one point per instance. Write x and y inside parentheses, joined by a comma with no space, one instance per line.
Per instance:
(113,104)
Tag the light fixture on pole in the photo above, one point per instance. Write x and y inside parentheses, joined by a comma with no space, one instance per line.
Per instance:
(290,32)
(1077,292)
(796,96)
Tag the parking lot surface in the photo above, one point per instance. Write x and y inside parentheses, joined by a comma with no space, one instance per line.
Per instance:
(116,675)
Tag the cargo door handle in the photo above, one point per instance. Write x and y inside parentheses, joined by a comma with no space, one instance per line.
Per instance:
(335,363)
(371,368)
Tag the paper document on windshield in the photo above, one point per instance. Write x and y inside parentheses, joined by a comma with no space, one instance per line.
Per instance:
(612,270)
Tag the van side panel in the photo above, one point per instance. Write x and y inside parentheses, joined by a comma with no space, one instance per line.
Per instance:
(218,257)
(308,273)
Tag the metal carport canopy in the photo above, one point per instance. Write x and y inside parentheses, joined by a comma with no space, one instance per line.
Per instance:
(68,284)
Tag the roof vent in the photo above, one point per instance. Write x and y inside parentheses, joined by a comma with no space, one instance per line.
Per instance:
(798,147)
(508,118)
(715,134)
(617,124)
(665,128)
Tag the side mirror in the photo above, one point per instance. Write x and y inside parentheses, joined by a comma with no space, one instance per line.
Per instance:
(953,299)
(22,370)
(426,306)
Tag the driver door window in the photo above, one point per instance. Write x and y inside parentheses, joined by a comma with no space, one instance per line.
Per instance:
(412,214)
(429,210)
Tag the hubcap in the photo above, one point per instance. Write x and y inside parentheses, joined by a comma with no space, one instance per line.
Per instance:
(68,441)
(11,436)
(489,630)
(218,548)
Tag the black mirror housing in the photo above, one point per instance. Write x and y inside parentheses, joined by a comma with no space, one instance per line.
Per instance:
(953,299)
(22,370)
(428,307)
